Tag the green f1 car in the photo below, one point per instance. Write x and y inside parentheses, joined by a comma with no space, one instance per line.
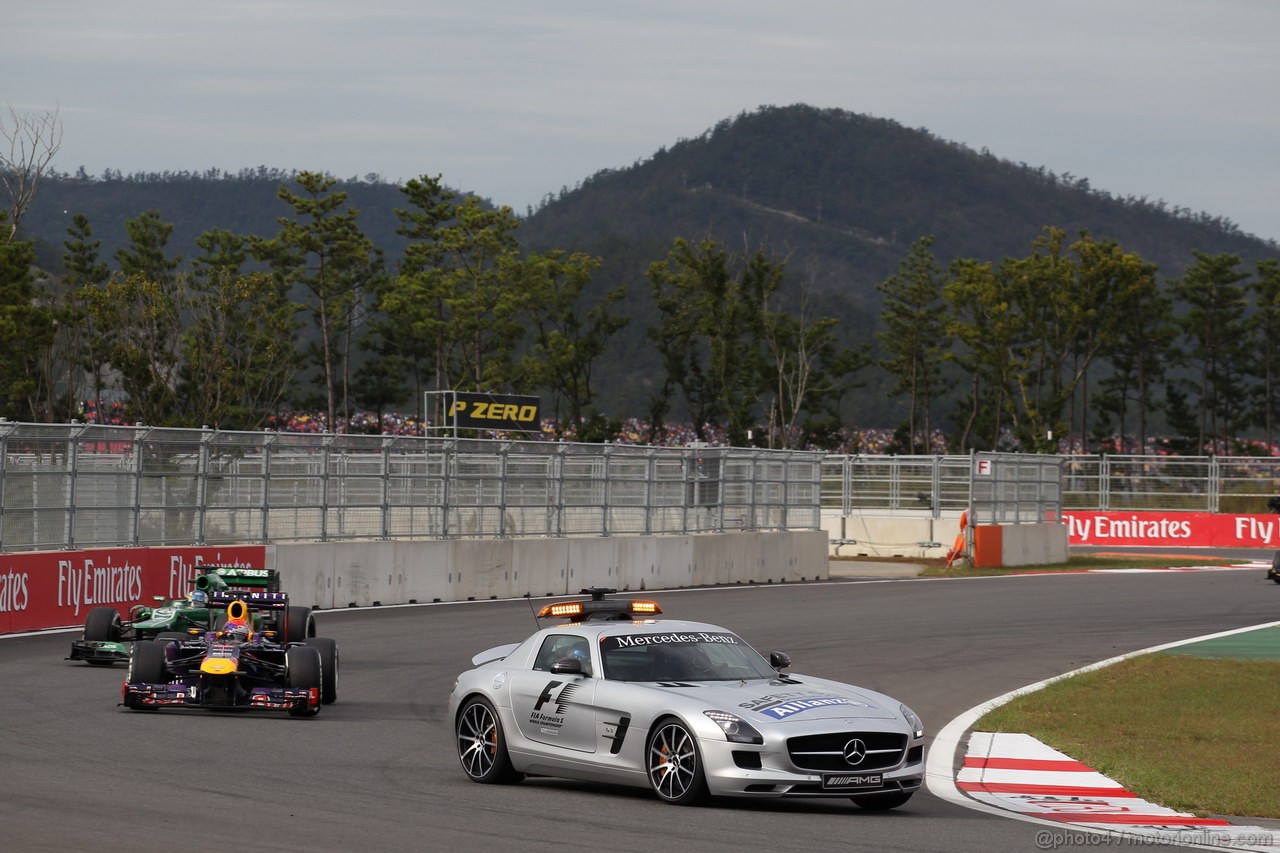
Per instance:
(107,637)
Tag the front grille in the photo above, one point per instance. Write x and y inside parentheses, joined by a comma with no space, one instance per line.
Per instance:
(827,752)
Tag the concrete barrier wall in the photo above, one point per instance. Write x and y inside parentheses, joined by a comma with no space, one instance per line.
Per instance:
(361,574)
(889,535)
(902,535)
(1034,544)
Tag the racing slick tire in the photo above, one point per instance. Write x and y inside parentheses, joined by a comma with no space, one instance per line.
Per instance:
(1274,574)
(102,624)
(303,669)
(482,745)
(883,802)
(295,625)
(674,765)
(328,650)
(146,665)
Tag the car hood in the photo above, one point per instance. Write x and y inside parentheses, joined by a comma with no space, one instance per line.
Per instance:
(779,701)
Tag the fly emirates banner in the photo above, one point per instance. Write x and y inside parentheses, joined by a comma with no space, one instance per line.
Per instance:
(1173,529)
(58,588)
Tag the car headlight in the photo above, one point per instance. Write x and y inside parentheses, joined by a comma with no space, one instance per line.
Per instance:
(917,727)
(736,729)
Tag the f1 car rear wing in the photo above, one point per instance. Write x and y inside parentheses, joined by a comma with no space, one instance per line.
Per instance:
(213,577)
(255,600)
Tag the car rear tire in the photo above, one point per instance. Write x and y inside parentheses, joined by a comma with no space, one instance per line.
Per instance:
(883,802)
(102,625)
(482,745)
(303,669)
(328,650)
(675,765)
(296,625)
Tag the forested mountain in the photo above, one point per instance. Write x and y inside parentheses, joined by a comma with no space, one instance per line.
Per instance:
(844,195)
(840,198)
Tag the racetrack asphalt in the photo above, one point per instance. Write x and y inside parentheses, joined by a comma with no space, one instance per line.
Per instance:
(377,770)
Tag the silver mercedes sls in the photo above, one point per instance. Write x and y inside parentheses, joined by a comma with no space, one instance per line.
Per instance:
(611,694)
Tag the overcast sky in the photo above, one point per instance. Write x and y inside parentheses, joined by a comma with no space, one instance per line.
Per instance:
(513,99)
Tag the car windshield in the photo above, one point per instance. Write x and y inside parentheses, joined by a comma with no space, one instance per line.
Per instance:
(681,656)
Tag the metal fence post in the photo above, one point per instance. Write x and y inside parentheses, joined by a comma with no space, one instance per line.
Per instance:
(202,482)
(1106,483)
(385,457)
(935,493)
(557,483)
(1215,483)
(504,470)
(448,465)
(324,487)
(73,450)
(650,483)
(139,443)
(604,497)
(268,442)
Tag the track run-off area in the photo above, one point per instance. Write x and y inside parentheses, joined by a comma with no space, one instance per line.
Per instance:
(378,770)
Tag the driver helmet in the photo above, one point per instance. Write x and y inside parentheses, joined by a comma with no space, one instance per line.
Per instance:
(199,598)
(237,625)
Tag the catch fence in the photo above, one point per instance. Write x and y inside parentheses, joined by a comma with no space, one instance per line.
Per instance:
(88,485)
(65,486)
(938,485)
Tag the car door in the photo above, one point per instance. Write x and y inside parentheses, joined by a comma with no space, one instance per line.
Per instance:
(554,708)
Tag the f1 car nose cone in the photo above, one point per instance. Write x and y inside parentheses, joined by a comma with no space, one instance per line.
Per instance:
(218,666)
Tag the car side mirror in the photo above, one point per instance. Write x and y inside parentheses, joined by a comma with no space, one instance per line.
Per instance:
(779,660)
(567,666)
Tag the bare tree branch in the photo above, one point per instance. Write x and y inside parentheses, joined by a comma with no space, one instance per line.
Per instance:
(33,141)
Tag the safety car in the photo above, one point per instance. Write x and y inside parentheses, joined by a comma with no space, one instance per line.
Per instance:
(611,694)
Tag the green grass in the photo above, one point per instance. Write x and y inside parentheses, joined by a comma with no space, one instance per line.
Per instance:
(939,568)
(1189,733)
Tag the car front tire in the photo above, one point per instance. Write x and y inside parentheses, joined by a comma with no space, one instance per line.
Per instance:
(102,625)
(304,670)
(482,745)
(146,665)
(675,765)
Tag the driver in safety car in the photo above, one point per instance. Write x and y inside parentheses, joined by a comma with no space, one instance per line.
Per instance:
(237,627)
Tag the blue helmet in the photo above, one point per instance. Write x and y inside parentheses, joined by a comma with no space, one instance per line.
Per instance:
(199,598)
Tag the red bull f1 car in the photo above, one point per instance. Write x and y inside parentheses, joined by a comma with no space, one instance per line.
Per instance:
(107,637)
(233,667)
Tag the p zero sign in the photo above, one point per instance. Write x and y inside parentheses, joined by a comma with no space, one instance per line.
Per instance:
(469,410)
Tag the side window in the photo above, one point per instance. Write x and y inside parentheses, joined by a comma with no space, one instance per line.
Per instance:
(558,646)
